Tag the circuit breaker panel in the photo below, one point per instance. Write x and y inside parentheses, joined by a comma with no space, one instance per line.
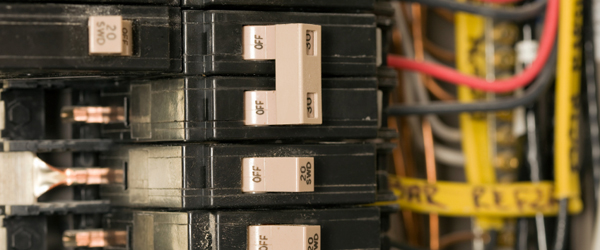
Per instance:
(185,124)
(299,124)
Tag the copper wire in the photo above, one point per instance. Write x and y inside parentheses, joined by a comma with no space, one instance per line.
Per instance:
(438,91)
(434,224)
(429,82)
(439,52)
(455,238)
(435,50)
(412,221)
(400,169)
(94,238)
(444,14)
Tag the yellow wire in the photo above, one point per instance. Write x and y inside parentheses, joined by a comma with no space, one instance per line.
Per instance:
(568,78)
(475,141)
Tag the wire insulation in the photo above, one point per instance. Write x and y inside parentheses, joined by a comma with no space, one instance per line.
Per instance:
(521,13)
(413,86)
(561,225)
(510,84)
(539,86)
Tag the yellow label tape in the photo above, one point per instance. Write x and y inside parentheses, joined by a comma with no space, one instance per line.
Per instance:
(521,199)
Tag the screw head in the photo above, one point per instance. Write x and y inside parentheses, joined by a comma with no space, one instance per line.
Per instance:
(19,114)
(22,240)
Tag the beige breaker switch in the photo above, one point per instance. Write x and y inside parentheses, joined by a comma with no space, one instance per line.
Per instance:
(284,237)
(278,174)
(110,35)
(260,107)
(296,49)
(259,42)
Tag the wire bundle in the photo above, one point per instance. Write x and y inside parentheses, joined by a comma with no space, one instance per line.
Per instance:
(537,77)
(540,68)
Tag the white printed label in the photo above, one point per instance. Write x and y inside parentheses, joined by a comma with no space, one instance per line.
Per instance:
(105,35)
(284,237)
(278,174)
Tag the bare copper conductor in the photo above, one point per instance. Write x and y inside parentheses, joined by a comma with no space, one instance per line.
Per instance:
(92,176)
(93,114)
(94,238)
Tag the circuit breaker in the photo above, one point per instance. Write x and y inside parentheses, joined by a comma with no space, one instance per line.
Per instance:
(195,176)
(192,124)
(334,228)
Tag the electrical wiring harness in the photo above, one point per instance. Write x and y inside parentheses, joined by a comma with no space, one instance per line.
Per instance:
(524,12)
(539,75)
(539,85)
(452,76)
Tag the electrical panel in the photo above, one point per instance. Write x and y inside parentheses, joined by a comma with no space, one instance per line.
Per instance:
(186,124)
(299,124)
(218,109)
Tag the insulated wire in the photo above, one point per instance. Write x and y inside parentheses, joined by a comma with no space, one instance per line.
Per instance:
(566,114)
(449,156)
(531,94)
(561,225)
(434,220)
(592,91)
(429,82)
(400,168)
(445,240)
(520,13)
(404,127)
(568,80)
(440,130)
(432,53)
(533,159)
(593,81)
(493,241)
(445,14)
(455,238)
(475,144)
(522,241)
(437,90)
(437,51)
(510,84)
(403,246)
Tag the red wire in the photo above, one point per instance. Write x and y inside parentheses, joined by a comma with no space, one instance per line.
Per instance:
(527,76)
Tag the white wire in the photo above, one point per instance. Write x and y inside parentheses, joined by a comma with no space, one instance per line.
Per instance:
(532,158)
(443,154)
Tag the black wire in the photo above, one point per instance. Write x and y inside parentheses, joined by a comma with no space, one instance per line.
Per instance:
(491,245)
(520,13)
(561,224)
(522,241)
(591,96)
(539,86)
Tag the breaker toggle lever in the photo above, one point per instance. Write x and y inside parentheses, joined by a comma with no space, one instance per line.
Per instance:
(296,49)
